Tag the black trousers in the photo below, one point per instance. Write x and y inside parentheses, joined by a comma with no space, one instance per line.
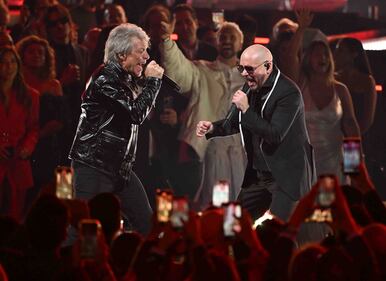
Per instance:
(263,194)
(135,206)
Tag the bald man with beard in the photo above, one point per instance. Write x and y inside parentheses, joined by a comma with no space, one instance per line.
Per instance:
(272,125)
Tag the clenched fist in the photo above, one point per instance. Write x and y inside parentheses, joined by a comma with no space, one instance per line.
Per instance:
(203,127)
(154,70)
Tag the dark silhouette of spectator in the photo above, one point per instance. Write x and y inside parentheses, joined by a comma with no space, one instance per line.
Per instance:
(375,234)
(335,265)
(269,231)
(46,225)
(304,263)
(71,67)
(371,199)
(123,252)
(106,208)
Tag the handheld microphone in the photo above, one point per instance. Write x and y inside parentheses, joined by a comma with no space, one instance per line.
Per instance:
(232,111)
(168,81)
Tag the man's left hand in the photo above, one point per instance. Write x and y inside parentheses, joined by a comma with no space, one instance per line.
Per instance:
(240,99)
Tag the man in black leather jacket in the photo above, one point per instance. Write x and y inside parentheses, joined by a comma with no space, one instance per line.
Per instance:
(113,106)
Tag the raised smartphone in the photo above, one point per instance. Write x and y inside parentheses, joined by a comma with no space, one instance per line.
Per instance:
(232,215)
(164,204)
(180,212)
(351,155)
(63,177)
(220,193)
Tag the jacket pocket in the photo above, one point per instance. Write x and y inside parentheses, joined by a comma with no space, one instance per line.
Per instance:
(110,151)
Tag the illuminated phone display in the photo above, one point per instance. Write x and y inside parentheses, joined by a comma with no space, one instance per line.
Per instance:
(180,212)
(63,177)
(351,155)
(232,215)
(164,203)
(220,193)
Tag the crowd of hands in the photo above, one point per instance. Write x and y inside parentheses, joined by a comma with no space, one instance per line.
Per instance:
(199,250)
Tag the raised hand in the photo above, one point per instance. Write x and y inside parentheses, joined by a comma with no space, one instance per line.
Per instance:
(304,18)
(167,29)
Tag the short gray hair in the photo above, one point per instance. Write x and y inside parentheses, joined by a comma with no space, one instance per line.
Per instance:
(120,40)
(230,25)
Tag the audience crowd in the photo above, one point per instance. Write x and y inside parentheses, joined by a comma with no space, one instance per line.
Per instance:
(46,59)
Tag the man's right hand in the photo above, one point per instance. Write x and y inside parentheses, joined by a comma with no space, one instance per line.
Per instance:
(154,70)
(167,29)
(203,127)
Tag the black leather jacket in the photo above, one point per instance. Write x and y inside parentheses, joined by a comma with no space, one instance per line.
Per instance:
(107,131)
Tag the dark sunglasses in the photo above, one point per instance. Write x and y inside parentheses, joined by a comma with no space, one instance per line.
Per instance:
(53,23)
(249,69)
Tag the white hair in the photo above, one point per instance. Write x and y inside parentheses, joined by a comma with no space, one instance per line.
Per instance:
(120,41)
(230,25)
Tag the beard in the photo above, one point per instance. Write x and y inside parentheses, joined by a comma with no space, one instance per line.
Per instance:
(227,53)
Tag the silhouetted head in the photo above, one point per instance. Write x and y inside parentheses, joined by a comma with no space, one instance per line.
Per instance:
(106,208)
(47,223)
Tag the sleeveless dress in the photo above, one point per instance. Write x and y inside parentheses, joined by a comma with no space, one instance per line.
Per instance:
(325,132)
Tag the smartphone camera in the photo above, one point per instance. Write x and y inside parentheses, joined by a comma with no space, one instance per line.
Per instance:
(220,193)
(63,177)
(351,155)
(89,232)
(164,204)
(218,18)
(180,212)
(324,199)
(232,215)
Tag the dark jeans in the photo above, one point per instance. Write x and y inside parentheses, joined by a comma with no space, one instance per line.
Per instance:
(265,194)
(135,206)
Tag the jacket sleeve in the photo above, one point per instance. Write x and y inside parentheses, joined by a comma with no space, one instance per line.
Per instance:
(177,66)
(284,114)
(137,108)
(219,130)
(32,124)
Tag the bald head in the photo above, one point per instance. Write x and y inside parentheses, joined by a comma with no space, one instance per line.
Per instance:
(257,64)
(257,53)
